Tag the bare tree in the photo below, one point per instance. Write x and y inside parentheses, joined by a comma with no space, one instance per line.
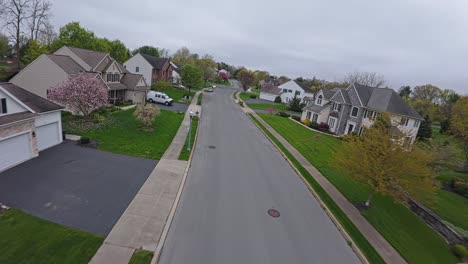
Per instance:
(14,14)
(47,34)
(38,17)
(365,78)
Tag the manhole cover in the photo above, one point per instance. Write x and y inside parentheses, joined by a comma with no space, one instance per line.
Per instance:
(211,147)
(274,213)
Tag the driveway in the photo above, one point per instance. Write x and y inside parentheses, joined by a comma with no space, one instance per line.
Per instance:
(236,176)
(75,186)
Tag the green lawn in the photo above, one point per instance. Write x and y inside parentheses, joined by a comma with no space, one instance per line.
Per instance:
(28,239)
(185,154)
(141,257)
(246,95)
(125,137)
(224,82)
(280,107)
(177,94)
(199,99)
(415,241)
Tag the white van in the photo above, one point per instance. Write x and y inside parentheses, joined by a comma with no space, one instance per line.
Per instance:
(158,97)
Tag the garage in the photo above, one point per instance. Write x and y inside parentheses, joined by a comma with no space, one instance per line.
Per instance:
(19,150)
(47,136)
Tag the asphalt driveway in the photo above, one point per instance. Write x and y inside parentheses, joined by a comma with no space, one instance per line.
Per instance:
(75,186)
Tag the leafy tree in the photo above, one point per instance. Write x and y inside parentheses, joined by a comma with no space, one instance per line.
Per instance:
(161,86)
(34,50)
(426,92)
(206,64)
(424,107)
(405,92)
(102,45)
(148,50)
(380,160)
(425,129)
(4,47)
(73,35)
(192,76)
(283,79)
(246,78)
(295,104)
(183,56)
(145,113)
(365,78)
(260,76)
(82,93)
(459,123)
(447,100)
(119,51)
(278,99)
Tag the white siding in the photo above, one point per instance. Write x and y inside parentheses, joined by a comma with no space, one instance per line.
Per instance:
(16,149)
(12,105)
(293,86)
(47,119)
(267,96)
(144,67)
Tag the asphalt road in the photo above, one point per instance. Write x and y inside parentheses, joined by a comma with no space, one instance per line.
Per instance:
(237,175)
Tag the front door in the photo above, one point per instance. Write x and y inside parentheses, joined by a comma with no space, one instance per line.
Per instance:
(350,129)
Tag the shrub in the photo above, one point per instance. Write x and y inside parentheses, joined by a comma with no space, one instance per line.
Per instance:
(313,125)
(444,126)
(460,187)
(161,86)
(306,122)
(297,118)
(460,251)
(278,99)
(283,114)
(296,104)
(253,96)
(241,103)
(323,127)
(84,140)
(145,113)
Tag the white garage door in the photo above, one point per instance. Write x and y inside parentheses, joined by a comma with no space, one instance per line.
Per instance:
(14,150)
(47,136)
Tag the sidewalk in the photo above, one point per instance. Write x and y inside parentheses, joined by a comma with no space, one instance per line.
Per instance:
(385,250)
(142,223)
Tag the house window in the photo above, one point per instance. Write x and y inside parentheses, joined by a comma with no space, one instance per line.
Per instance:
(372,115)
(113,77)
(331,122)
(308,115)
(361,130)
(319,100)
(336,107)
(289,91)
(354,111)
(315,118)
(3,106)
(416,123)
(297,93)
(137,69)
(365,113)
(285,90)
(404,121)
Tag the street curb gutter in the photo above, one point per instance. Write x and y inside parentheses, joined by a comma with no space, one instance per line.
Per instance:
(170,218)
(335,221)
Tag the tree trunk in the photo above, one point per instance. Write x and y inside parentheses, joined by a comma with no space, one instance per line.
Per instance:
(368,200)
(17,45)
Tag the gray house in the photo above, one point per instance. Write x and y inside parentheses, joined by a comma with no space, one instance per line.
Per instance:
(353,109)
(49,70)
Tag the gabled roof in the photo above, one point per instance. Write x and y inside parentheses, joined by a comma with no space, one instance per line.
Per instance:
(116,86)
(270,89)
(33,101)
(12,118)
(131,81)
(91,57)
(317,108)
(328,94)
(157,63)
(364,92)
(66,63)
(343,93)
(304,87)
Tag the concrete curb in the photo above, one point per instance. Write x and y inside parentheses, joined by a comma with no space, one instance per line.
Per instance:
(170,218)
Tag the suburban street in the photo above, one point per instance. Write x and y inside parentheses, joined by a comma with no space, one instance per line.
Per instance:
(236,176)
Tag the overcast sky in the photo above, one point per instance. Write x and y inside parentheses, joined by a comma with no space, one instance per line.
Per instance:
(411,42)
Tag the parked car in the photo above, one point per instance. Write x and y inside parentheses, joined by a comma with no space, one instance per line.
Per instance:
(158,97)
(210,90)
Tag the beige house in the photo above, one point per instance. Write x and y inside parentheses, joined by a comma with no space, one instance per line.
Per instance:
(49,70)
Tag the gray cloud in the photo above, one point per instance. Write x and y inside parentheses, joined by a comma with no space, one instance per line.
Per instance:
(410,42)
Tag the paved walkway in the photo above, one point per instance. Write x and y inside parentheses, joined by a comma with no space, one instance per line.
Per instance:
(386,251)
(142,223)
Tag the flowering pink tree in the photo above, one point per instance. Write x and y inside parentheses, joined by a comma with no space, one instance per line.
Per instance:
(83,93)
(224,74)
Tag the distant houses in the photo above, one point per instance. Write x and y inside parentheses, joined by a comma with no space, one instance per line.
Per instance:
(287,91)
(152,68)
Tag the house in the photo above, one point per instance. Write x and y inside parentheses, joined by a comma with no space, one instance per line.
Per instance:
(353,109)
(152,68)
(293,88)
(176,73)
(269,92)
(49,70)
(28,125)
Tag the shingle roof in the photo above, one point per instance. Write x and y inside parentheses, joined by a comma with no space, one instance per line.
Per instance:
(317,108)
(270,89)
(157,63)
(305,87)
(66,63)
(91,57)
(33,101)
(328,94)
(11,118)
(131,80)
(116,86)
(364,92)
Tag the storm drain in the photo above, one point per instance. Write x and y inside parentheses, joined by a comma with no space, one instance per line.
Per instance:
(211,147)
(274,213)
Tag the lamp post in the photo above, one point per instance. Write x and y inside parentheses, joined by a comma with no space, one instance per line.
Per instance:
(190,132)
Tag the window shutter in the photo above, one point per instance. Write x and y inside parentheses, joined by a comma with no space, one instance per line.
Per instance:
(4,106)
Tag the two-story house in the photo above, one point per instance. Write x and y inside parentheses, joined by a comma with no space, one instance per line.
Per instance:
(152,68)
(292,89)
(28,125)
(49,70)
(353,109)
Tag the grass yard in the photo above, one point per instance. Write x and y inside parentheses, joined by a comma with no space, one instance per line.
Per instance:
(199,99)
(141,257)
(125,137)
(246,95)
(265,106)
(415,241)
(28,239)
(185,154)
(177,94)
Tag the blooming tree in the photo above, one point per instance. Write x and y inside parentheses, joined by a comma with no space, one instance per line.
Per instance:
(82,93)
(146,113)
